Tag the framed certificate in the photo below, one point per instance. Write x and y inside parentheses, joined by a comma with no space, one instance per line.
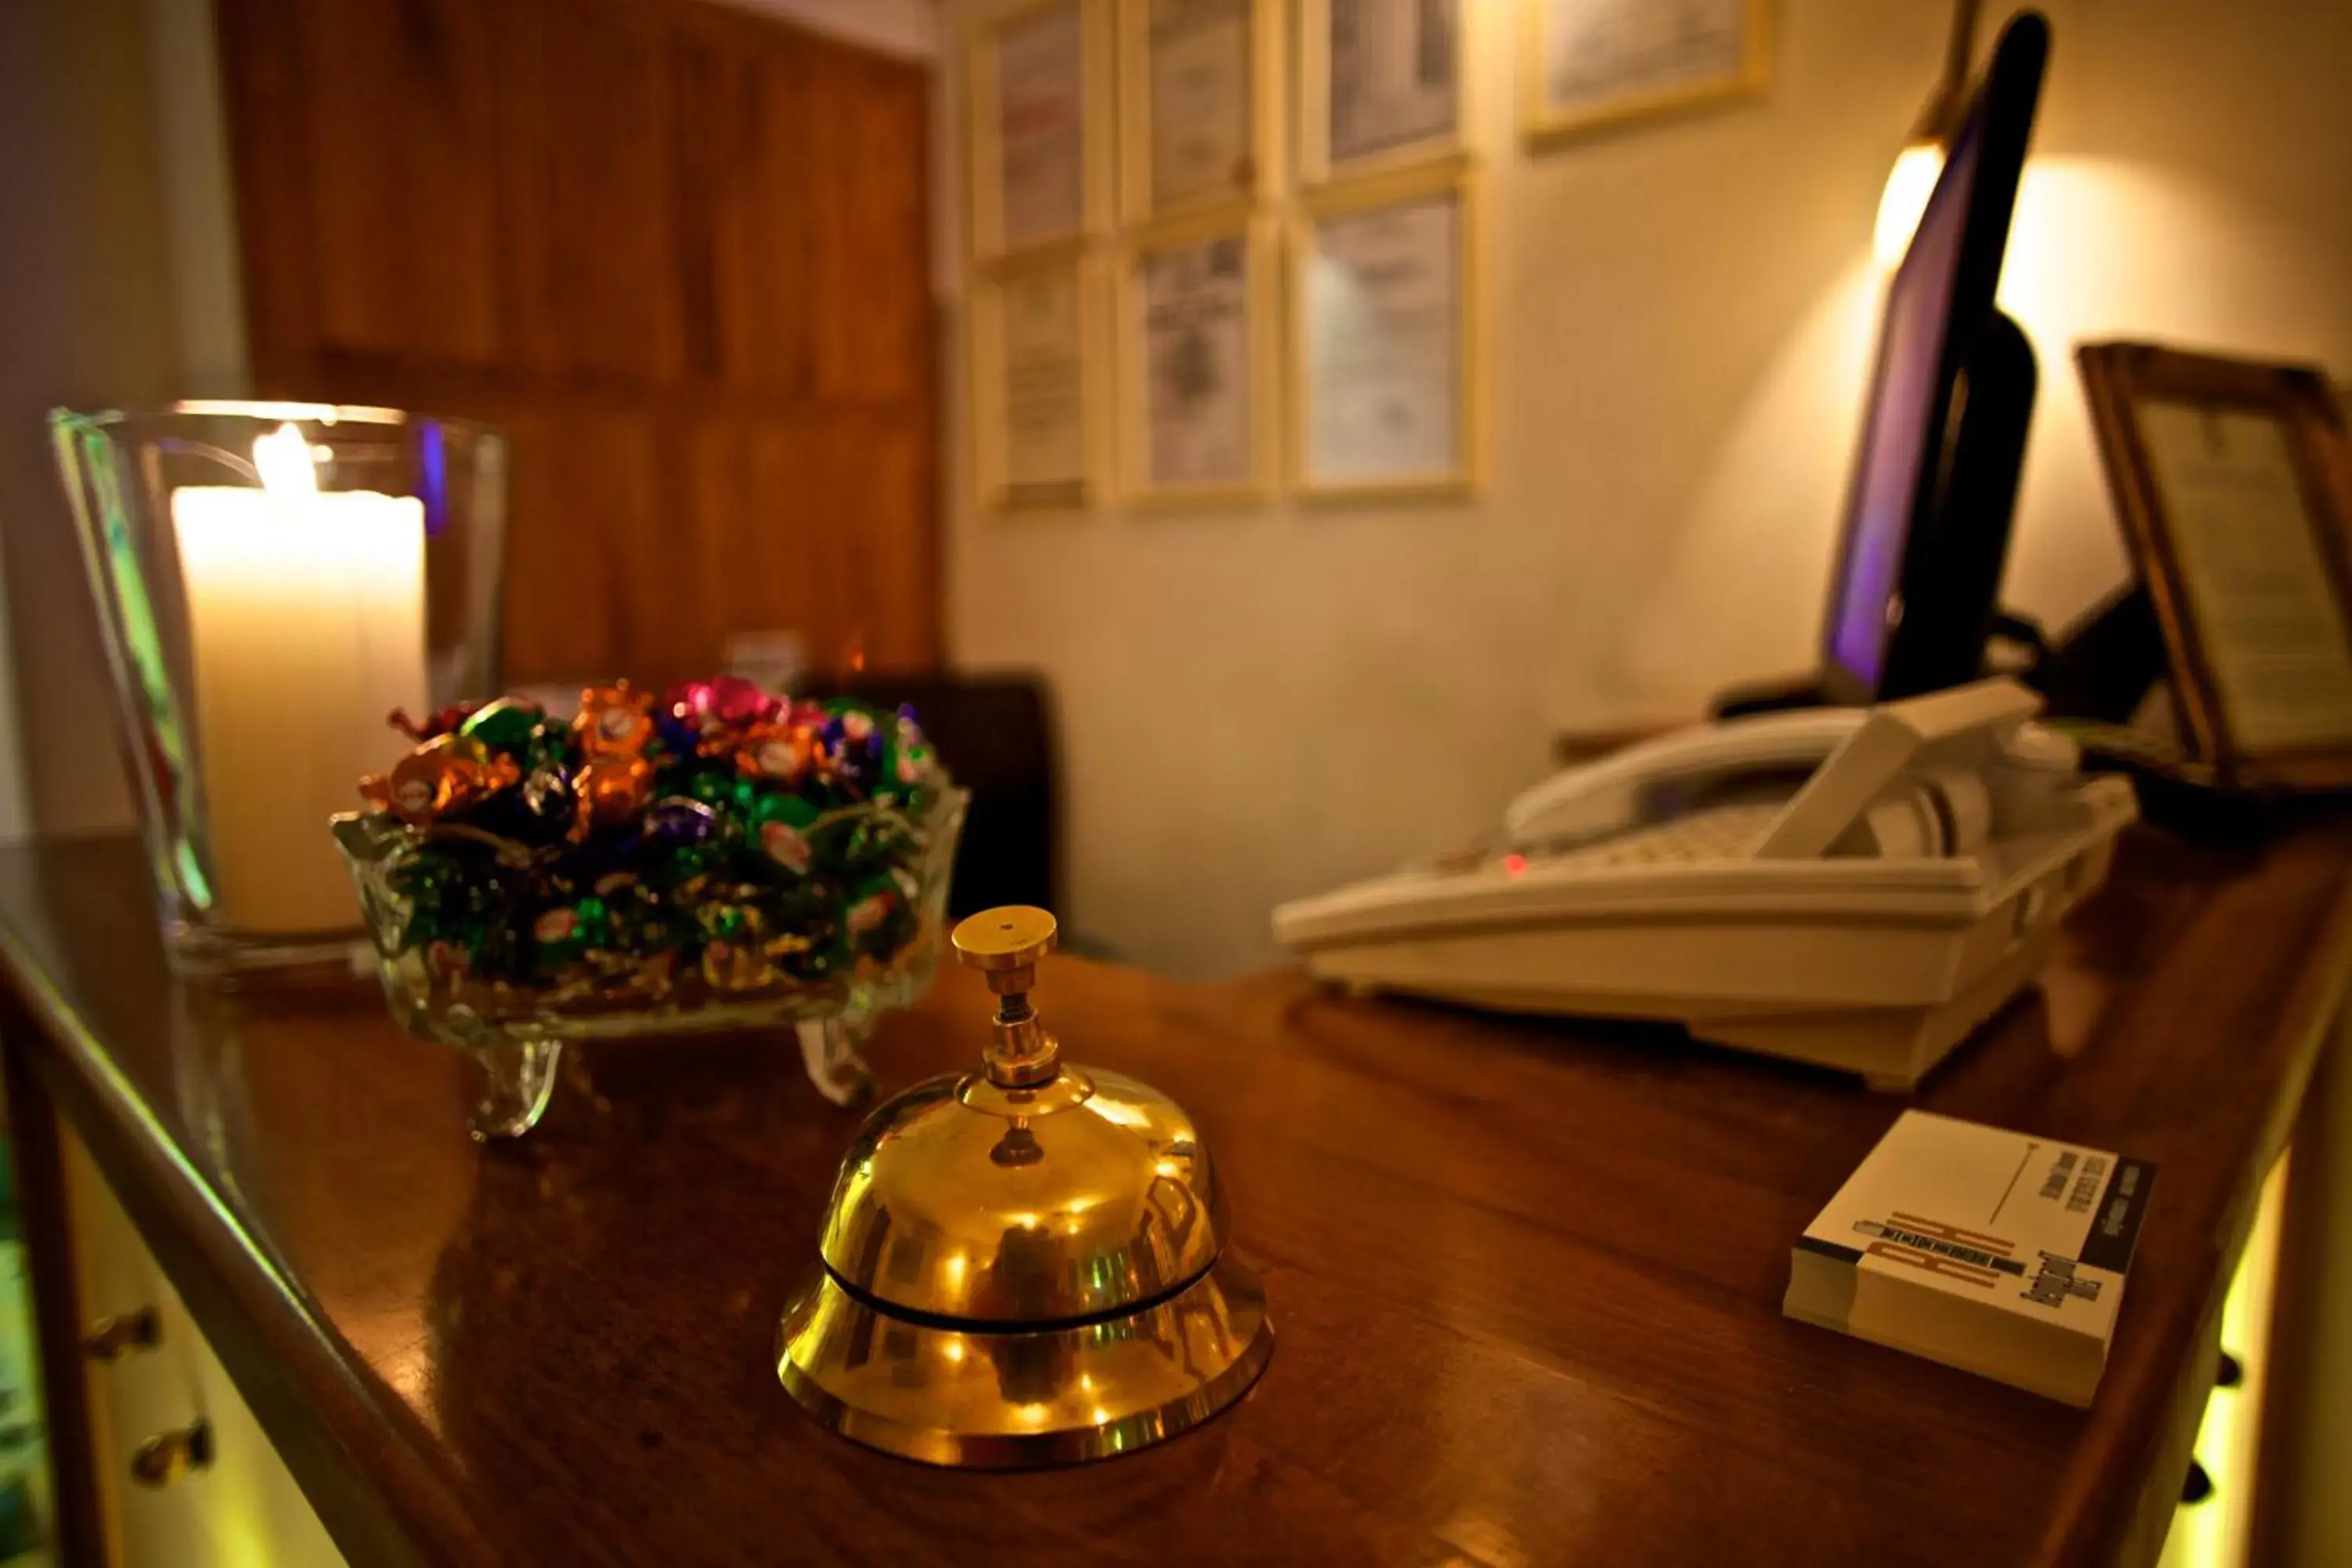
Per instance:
(1585,64)
(1386,340)
(2234,482)
(1196,349)
(1038,124)
(1038,384)
(1381,84)
(1197,101)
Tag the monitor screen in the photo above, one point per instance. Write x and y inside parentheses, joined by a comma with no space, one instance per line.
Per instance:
(1905,389)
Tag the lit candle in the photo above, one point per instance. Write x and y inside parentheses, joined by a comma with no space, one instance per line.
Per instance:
(305,626)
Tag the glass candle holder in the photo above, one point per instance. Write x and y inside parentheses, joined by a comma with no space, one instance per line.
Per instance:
(274,581)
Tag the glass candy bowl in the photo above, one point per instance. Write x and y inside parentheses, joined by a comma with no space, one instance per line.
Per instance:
(726,900)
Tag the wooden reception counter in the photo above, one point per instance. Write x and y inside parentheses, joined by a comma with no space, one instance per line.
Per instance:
(1526,1276)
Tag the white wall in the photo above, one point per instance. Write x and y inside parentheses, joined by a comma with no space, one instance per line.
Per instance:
(901,26)
(86,319)
(1258,704)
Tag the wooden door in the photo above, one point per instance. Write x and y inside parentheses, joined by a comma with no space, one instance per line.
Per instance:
(680,253)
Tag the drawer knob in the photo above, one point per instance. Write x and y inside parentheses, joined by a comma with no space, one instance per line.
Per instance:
(112,1338)
(167,1455)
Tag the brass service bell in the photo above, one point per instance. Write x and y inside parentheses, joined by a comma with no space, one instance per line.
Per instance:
(1022,1264)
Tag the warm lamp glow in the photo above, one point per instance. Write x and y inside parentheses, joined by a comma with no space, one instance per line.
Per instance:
(1913,179)
(1908,185)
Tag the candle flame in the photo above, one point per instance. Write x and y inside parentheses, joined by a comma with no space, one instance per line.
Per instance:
(283,460)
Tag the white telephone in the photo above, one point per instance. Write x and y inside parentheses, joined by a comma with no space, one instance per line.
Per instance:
(1853,887)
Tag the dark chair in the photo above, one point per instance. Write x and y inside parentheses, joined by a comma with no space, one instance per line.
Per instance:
(995,735)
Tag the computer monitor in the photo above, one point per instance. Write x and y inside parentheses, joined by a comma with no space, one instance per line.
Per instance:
(1926,526)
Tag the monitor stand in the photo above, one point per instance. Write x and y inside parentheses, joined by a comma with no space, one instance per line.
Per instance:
(1966,545)
(2105,662)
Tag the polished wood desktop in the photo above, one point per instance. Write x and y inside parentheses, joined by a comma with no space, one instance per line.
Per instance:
(1526,1276)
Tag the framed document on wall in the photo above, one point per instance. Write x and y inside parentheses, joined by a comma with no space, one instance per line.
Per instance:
(1197,103)
(1196,349)
(1037,370)
(1038,126)
(1385,340)
(2234,482)
(1586,64)
(1381,84)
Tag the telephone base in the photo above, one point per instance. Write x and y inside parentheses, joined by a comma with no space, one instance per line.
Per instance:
(1892,1049)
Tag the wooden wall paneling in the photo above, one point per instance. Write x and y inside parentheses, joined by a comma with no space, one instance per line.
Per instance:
(399,98)
(582,480)
(871,269)
(795,467)
(263,95)
(589,144)
(899,548)
(663,630)
(862,515)
(679,251)
(759,564)
(747,211)
(874,361)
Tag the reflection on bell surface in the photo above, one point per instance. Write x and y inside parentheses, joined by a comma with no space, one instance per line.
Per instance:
(1025,1265)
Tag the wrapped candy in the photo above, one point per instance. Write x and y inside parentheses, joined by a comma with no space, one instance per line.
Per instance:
(548,797)
(615,721)
(609,791)
(782,753)
(881,919)
(784,821)
(907,762)
(723,842)
(511,722)
(440,723)
(719,712)
(677,820)
(559,936)
(444,776)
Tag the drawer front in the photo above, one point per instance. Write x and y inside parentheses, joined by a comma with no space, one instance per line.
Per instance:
(187,1478)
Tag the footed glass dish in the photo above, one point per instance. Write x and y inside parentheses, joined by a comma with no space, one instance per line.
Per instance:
(515,1030)
(724,858)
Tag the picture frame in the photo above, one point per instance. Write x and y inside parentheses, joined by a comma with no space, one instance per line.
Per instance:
(1386,305)
(1051,180)
(1587,66)
(1399,115)
(1176,343)
(1179,151)
(2232,483)
(1039,370)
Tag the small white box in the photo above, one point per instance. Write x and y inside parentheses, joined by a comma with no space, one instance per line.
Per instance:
(1991,1251)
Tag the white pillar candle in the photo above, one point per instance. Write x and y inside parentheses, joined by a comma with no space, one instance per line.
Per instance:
(306,626)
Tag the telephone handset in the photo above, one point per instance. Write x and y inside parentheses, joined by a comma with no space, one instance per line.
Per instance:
(1653,780)
(1857,887)
(1912,779)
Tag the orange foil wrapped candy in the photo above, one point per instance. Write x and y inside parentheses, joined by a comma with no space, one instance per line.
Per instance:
(448,773)
(423,729)
(610,791)
(615,721)
(780,753)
